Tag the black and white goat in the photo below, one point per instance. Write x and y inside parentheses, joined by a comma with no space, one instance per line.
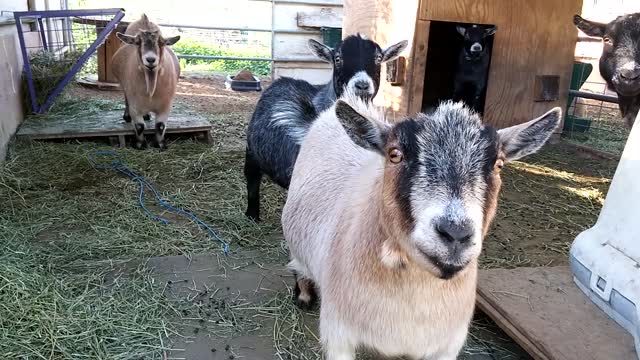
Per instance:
(473,64)
(287,108)
(620,59)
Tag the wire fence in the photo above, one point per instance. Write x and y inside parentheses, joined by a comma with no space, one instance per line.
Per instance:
(593,118)
(57,46)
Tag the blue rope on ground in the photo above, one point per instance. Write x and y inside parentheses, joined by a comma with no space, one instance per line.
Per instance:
(120,166)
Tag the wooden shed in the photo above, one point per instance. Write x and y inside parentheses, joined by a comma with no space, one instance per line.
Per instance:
(531,61)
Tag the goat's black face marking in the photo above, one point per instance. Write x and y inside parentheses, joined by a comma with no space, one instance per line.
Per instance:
(447,154)
(359,61)
(150,48)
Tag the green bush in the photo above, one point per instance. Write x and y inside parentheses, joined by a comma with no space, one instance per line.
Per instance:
(189,47)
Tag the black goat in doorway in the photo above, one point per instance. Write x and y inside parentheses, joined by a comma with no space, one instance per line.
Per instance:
(473,65)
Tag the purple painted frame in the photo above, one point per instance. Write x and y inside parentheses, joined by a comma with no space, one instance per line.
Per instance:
(39,15)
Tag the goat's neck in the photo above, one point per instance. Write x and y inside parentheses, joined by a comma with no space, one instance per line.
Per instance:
(151,79)
(325,97)
(369,217)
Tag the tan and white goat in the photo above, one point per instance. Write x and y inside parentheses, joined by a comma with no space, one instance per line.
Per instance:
(387,222)
(148,71)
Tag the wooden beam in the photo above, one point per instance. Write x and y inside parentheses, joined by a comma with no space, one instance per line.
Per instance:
(325,17)
(418,67)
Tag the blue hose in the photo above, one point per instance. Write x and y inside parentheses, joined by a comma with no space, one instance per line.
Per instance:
(120,166)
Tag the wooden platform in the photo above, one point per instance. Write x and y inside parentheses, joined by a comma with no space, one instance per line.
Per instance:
(92,82)
(545,312)
(109,124)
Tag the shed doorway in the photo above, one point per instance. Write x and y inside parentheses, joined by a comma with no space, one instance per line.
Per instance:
(443,52)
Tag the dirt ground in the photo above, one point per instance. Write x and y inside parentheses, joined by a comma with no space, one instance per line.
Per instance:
(547,199)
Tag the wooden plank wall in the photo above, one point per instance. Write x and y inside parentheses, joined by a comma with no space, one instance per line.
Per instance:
(533,38)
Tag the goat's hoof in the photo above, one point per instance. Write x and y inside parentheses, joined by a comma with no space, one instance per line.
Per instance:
(141,145)
(126,118)
(306,299)
(304,305)
(146,117)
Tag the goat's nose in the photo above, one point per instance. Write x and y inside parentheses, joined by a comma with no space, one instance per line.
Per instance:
(362,85)
(452,232)
(630,74)
(150,59)
(476,47)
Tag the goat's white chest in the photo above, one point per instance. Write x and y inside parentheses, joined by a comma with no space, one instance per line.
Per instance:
(421,321)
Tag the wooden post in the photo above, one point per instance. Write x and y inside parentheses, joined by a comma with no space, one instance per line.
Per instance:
(105,53)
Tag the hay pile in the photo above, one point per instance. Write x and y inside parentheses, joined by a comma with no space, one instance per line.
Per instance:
(47,70)
(66,228)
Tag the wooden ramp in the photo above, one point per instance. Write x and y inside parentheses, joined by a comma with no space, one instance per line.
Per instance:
(109,124)
(545,312)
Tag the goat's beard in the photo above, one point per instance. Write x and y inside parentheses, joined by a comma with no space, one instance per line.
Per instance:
(151,79)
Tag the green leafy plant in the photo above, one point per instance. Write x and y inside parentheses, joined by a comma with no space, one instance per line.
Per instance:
(190,47)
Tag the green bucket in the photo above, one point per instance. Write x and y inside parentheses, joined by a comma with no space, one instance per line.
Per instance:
(331,36)
(581,72)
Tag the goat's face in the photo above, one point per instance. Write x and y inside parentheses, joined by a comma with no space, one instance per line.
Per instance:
(356,64)
(620,59)
(475,40)
(442,177)
(150,46)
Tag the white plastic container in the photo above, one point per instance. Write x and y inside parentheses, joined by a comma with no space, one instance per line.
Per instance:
(605,260)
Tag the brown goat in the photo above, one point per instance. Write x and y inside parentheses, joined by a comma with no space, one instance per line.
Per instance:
(148,71)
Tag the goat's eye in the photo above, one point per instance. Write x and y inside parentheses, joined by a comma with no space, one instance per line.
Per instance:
(499,164)
(608,41)
(338,59)
(395,155)
(379,58)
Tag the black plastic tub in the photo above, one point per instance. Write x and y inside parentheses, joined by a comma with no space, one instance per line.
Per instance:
(242,85)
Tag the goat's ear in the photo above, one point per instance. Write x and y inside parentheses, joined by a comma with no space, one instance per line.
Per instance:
(362,131)
(394,51)
(127,39)
(490,30)
(172,40)
(590,28)
(323,52)
(461,30)
(524,139)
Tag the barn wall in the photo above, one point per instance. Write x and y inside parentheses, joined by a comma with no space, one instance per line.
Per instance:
(534,38)
(10,76)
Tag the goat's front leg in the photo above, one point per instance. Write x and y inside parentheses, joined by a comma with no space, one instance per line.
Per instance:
(161,127)
(337,344)
(138,125)
(477,95)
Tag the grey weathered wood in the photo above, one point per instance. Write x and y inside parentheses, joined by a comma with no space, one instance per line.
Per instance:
(544,311)
(324,17)
(107,124)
